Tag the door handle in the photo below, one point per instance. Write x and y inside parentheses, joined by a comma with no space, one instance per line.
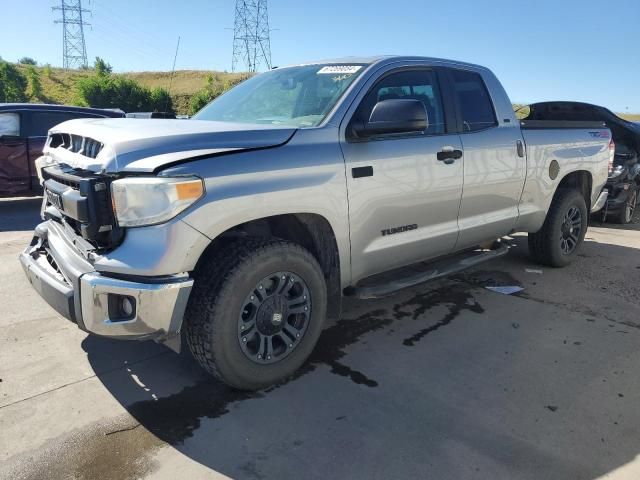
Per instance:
(449,154)
(359,172)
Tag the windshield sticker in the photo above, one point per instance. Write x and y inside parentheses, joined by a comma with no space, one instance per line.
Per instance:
(333,69)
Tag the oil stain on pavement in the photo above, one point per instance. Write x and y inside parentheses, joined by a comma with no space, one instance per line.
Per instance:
(175,418)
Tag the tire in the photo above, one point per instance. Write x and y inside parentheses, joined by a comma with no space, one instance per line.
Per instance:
(218,312)
(625,215)
(548,246)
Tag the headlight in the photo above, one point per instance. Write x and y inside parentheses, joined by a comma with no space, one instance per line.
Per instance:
(139,201)
(617,171)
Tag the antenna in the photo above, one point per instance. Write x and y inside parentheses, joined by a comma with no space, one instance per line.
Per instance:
(251,40)
(73,46)
(173,69)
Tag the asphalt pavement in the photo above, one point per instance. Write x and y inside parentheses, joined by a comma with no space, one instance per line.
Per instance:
(444,381)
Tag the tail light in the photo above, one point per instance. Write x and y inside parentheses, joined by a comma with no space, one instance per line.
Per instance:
(612,154)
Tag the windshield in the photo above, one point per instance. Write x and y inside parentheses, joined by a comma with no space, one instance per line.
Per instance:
(295,96)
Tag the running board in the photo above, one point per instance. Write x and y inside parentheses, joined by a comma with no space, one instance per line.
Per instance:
(437,269)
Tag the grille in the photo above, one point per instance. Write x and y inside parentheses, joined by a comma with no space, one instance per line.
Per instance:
(86,146)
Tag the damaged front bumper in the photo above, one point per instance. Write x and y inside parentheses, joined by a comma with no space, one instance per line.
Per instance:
(128,308)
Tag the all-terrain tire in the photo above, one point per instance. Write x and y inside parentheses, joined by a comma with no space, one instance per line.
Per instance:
(222,282)
(545,246)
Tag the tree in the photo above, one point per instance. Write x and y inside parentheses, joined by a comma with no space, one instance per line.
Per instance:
(102,68)
(27,61)
(13,84)
(35,86)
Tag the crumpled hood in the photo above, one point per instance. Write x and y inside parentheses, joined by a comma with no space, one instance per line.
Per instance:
(144,145)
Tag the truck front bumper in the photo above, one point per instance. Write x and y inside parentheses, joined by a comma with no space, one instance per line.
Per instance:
(118,307)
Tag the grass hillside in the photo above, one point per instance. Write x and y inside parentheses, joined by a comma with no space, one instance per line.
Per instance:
(58,84)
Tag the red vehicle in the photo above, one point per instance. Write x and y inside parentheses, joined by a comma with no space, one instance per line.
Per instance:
(23,133)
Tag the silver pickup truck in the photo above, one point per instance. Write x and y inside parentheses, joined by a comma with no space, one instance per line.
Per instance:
(244,227)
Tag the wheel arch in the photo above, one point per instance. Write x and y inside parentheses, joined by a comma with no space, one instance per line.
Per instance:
(580,180)
(310,230)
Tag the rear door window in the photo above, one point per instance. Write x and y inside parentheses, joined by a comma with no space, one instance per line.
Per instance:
(10,124)
(475,107)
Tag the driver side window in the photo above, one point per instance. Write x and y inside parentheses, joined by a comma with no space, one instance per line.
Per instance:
(409,84)
(10,124)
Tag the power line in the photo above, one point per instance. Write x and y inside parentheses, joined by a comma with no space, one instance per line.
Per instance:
(73,45)
(251,36)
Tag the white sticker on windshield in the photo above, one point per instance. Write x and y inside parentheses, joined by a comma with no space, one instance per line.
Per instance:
(333,69)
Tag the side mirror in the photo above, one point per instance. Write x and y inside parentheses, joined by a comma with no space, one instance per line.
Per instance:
(398,115)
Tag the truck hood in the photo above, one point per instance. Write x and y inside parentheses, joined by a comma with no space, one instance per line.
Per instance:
(139,145)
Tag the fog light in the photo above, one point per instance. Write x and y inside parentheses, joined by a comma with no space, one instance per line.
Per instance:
(127,306)
(122,308)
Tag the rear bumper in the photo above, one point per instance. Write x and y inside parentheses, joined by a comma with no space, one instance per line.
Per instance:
(601,201)
(70,285)
(619,196)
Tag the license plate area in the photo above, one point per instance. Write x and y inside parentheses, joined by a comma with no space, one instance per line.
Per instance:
(54,199)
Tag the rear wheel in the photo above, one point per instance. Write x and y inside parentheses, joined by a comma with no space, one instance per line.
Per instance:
(557,242)
(625,215)
(256,312)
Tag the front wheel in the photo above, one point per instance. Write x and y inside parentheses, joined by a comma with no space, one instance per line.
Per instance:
(256,312)
(563,231)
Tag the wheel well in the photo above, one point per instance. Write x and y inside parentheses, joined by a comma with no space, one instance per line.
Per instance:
(311,231)
(579,180)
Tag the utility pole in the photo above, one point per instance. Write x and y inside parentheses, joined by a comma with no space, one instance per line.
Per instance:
(73,46)
(251,39)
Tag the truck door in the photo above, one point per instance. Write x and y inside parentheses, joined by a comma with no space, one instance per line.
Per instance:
(494,171)
(14,166)
(403,199)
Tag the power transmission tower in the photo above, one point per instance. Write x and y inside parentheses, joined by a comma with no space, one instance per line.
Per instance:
(251,41)
(73,46)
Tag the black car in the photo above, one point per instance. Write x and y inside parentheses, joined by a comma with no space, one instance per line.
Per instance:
(624,174)
(23,133)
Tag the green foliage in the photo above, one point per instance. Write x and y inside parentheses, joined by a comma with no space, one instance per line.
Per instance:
(47,70)
(13,84)
(27,61)
(35,86)
(214,87)
(102,68)
(116,91)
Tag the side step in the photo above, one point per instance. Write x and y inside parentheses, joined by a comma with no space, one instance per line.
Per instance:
(387,283)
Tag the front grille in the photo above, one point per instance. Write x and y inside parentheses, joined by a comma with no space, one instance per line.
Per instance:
(91,148)
(86,146)
(83,200)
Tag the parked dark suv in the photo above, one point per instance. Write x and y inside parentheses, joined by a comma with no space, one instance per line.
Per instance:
(624,173)
(23,132)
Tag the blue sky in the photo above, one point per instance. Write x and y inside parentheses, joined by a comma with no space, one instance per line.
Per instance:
(541,49)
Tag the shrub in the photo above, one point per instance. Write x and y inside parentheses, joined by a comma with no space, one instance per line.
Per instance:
(214,87)
(115,91)
(35,86)
(27,61)
(13,84)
